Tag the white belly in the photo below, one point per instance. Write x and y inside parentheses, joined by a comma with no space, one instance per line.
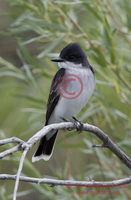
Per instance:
(75,95)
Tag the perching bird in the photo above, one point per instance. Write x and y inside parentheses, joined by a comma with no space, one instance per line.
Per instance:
(71,88)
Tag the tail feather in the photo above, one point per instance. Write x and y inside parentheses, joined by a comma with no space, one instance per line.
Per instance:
(45,148)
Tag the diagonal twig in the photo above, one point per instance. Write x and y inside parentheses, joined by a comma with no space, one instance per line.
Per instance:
(10,151)
(19,172)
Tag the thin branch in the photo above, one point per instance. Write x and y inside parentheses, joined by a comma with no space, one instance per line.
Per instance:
(10,151)
(80,29)
(13,149)
(122,79)
(109,144)
(11,140)
(100,145)
(19,172)
(54,182)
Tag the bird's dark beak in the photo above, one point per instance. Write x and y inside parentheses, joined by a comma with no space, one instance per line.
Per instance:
(58,59)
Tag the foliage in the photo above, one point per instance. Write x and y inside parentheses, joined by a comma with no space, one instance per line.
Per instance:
(42,28)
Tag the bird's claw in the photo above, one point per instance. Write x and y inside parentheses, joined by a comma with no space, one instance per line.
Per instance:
(65,120)
(78,124)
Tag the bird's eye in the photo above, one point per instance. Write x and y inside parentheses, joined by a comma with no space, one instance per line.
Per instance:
(72,57)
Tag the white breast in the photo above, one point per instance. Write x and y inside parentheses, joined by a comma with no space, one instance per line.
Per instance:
(75,91)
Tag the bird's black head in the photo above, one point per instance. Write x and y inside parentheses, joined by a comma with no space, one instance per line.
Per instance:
(73,53)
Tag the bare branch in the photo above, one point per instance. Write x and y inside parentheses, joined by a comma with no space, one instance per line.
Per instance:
(9,151)
(13,149)
(86,127)
(54,182)
(107,142)
(19,172)
(100,145)
(11,140)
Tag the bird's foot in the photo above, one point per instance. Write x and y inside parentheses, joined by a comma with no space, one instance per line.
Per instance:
(91,179)
(65,120)
(78,124)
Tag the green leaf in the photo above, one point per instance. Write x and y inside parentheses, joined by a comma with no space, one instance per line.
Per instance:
(27,55)
(99,57)
(108,39)
(10,66)
(129,21)
(93,11)
(12,74)
(50,47)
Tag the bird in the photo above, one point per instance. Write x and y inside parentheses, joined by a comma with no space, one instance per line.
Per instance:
(71,88)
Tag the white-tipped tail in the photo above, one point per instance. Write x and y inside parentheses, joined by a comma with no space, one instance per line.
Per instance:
(37,158)
(45,148)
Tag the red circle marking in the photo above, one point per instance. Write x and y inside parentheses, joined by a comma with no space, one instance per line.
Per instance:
(64,86)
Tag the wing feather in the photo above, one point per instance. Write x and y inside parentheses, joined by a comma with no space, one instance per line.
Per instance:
(54,94)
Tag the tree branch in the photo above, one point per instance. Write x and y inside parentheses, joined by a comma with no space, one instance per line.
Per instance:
(10,151)
(25,146)
(11,140)
(54,182)
(109,144)
(19,172)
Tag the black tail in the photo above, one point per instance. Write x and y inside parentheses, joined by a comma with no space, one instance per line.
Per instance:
(45,148)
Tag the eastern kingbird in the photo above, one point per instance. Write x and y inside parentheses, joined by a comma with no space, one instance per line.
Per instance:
(71,88)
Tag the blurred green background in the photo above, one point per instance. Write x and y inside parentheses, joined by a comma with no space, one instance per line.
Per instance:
(31,33)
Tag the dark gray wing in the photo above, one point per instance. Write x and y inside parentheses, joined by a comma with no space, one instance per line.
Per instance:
(54,94)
